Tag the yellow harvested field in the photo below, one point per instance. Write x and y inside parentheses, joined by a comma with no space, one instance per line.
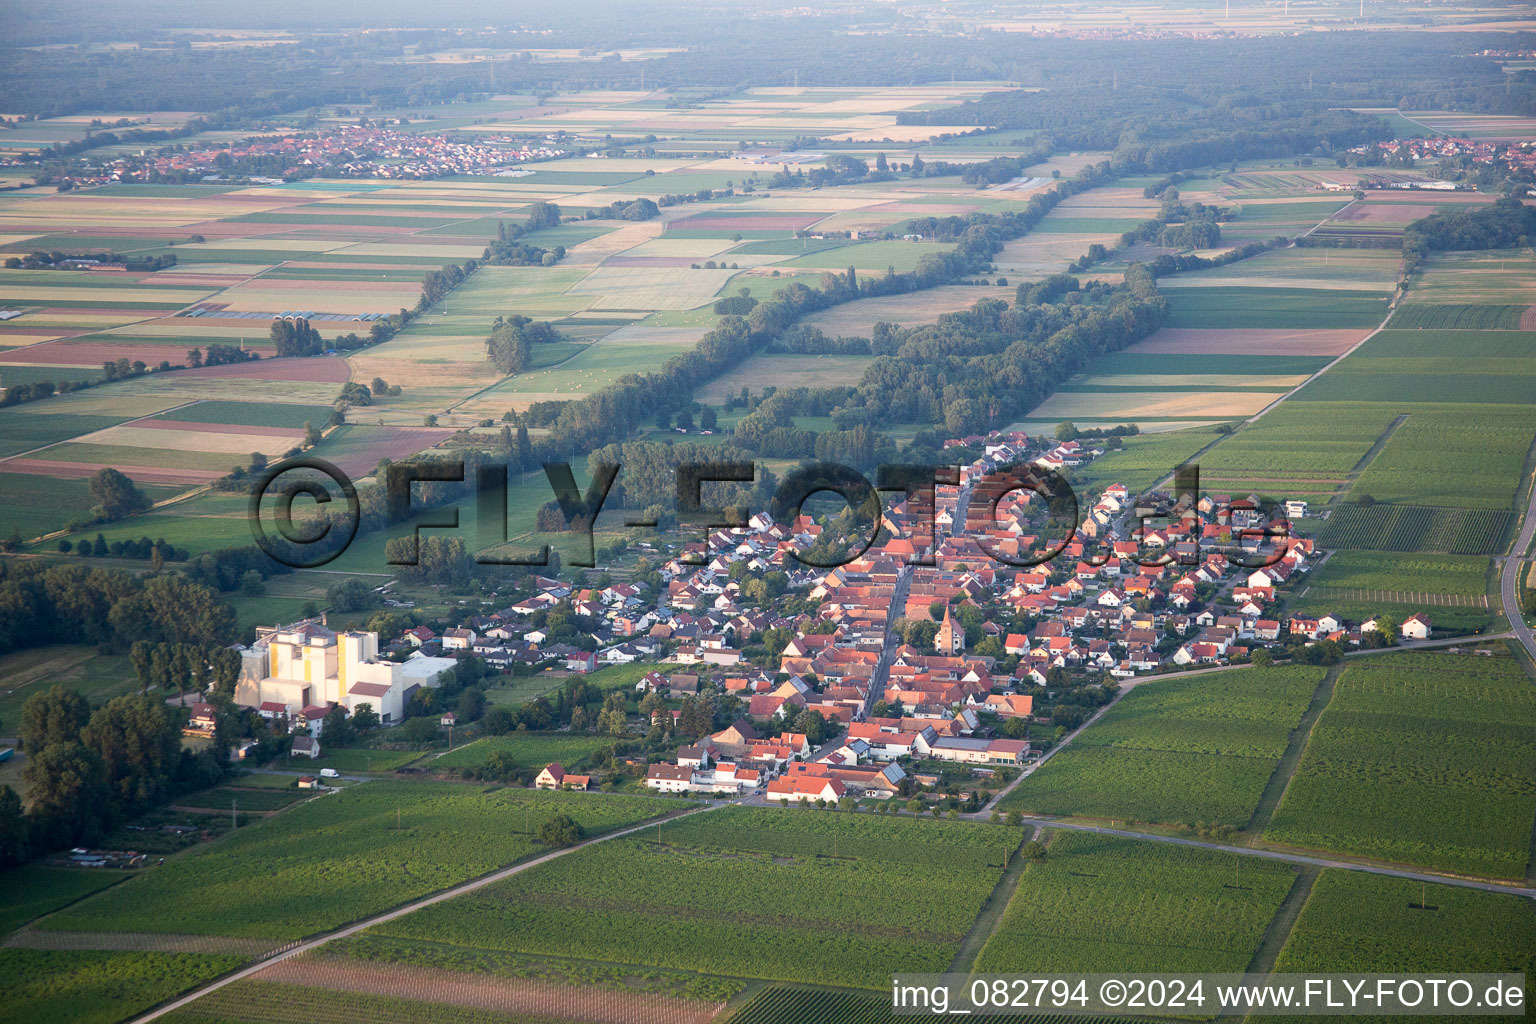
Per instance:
(623,236)
(43,295)
(651,287)
(185,440)
(1136,405)
(857,319)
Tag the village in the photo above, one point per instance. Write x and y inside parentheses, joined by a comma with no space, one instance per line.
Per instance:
(927,649)
(347,151)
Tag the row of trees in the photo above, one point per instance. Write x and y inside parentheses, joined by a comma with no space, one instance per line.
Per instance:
(88,771)
(40,602)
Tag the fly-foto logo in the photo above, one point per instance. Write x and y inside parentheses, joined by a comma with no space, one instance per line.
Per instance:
(1255,539)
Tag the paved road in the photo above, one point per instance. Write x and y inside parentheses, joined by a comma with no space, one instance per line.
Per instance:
(1290,858)
(1509,579)
(446,894)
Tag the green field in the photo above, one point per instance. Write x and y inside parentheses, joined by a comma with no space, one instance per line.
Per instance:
(1143,461)
(1177,750)
(1426,759)
(871,256)
(744,892)
(1102,903)
(1382,527)
(251,414)
(21,430)
(1438,574)
(1296,442)
(527,750)
(1457,315)
(342,857)
(97,987)
(1453,456)
(34,504)
(97,677)
(1353,921)
(31,891)
(1296,308)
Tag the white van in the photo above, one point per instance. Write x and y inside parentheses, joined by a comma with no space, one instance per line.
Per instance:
(327,773)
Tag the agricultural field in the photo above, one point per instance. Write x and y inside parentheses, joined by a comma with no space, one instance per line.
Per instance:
(743,892)
(414,996)
(1142,461)
(857,319)
(783,1004)
(1279,307)
(31,891)
(374,845)
(80,667)
(1353,921)
(1423,759)
(1297,450)
(1492,277)
(1460,456)
(1452,316)
(1102,903)
(52,986)
(1176,750)
(783,370)
(1437,574)
(529,751)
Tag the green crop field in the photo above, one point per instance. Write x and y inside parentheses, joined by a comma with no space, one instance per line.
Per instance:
(1295,308)
(1295,442)
(97,987)
(1102,903)
(342,857)
(1353,921)
(1144,460)
(1190,749)
(251,414)
(527,750)
(21,430)
(1382,527)
(1438,574)
(745,892)
(30,892)
(1457,315)
(1453,456)
(34,504)
(1426,759)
